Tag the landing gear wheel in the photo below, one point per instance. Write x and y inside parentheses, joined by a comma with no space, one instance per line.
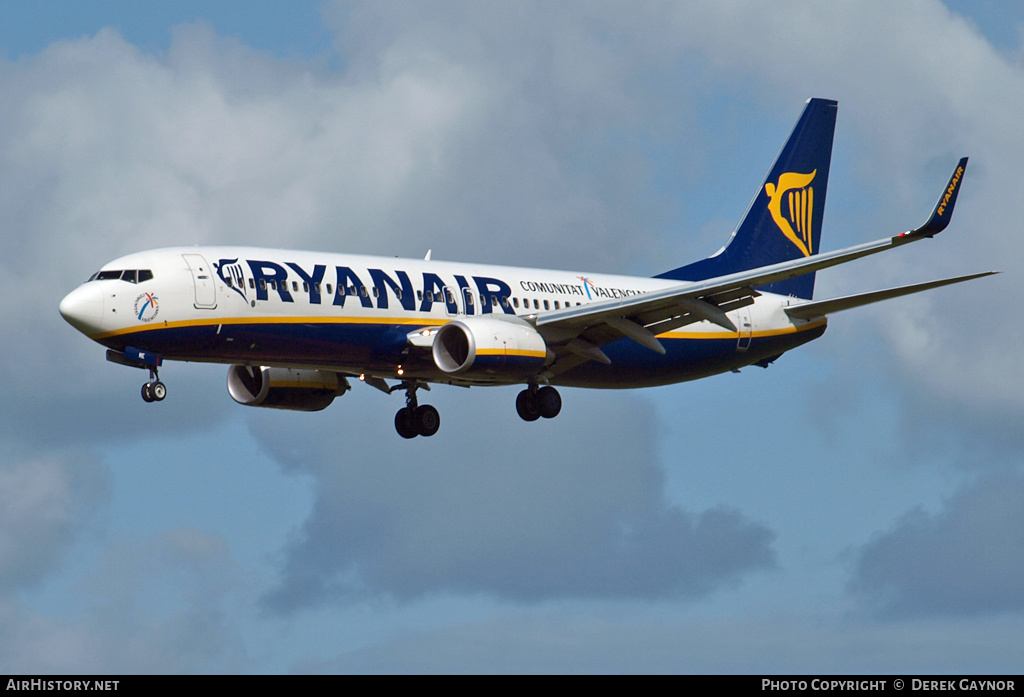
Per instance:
(527,407)
(549,402)
(405,423)
(415,420)
(154,391)
(427,420)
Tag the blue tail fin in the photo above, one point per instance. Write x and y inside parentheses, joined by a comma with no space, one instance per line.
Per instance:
(783,221)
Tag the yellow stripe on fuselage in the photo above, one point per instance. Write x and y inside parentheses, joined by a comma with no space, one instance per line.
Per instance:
(233,321)
(420,322)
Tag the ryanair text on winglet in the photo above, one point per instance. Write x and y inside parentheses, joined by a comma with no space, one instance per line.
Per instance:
(953,183)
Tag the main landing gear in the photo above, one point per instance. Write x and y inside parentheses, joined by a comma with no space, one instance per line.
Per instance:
(154,390)
(533,403)
(423,420)
(415,419)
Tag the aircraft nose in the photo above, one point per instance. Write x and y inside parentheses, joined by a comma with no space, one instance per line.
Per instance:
(83,308)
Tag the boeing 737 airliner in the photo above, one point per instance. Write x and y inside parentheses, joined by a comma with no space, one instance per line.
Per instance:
(295,327)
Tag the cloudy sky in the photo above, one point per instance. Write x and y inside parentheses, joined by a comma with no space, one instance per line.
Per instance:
(854,508)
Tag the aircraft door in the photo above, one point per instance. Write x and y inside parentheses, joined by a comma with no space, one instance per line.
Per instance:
(746,329)
(202,278)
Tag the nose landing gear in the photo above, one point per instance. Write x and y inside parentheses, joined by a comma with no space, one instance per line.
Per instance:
(154,390)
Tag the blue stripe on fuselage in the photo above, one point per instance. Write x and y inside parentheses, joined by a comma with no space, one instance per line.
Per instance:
(382,346)
(633,365)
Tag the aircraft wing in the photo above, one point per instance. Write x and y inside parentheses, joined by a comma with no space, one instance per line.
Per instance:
(580,331)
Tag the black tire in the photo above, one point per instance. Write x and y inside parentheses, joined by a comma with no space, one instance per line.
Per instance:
(549,402)
(527,407)
(427,420)
(405,423)
(158,390)
(147,394)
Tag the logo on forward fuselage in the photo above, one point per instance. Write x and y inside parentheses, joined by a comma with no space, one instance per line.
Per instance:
(793,190)
(146,307)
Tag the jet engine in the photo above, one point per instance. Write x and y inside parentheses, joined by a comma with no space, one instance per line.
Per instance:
(285,388)
(489,345)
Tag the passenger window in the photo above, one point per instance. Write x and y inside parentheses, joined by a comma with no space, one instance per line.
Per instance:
(329,289)
(558,305)
(252,283)
(546,306)
(362,291)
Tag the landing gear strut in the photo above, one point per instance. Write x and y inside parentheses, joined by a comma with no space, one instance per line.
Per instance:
(533,403)
(154,390)
(416,420)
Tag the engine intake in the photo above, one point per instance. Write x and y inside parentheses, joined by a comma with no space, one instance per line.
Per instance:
(285,388)
(488,345)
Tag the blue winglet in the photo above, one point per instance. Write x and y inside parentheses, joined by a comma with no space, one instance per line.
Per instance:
(943,212)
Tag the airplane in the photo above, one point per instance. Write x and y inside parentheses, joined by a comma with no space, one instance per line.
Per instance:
(294,327)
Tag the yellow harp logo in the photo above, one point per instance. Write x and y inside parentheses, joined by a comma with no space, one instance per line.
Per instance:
(795,223)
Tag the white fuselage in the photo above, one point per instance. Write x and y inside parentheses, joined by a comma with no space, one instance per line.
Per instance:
(354,314)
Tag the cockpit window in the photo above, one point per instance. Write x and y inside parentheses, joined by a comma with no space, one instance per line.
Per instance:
(130,275)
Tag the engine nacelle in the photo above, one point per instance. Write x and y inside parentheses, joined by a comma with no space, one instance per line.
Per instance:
(285,388)
(489,345)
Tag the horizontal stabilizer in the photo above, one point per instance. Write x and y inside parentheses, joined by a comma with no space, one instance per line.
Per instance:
(825,307)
